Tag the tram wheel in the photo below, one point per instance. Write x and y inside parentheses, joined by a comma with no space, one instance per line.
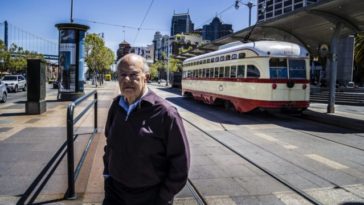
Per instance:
(229,106)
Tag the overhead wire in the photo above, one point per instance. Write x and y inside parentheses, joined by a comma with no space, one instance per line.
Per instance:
(145,16)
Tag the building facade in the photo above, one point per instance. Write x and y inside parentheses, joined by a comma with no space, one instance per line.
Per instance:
(268,9)
(181,23)
(216,29)
(124,48)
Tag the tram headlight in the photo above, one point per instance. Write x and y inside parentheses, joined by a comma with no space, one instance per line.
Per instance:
(274,86)
(304,86)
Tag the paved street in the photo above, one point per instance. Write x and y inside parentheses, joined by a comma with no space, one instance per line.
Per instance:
(325,161)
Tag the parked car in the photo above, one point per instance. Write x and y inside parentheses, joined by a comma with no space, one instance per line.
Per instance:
(350,84)
(15,82)
(3,92)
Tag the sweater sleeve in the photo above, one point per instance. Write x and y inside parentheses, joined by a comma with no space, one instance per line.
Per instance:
(107,130)
(178,156)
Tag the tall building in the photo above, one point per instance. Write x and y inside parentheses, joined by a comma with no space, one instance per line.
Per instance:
(268,9)
(181,23)
(124,48)
(216,29)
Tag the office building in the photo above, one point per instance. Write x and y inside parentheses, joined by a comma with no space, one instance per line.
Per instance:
(181,23)
(268,9)
(216,29)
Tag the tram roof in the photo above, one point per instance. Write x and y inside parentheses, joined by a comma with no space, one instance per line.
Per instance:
(311,26)
(262,48)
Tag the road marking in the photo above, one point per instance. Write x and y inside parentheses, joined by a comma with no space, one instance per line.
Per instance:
(327,162)
(266,137)
(289,146)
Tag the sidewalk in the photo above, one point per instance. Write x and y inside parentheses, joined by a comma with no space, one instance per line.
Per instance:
(27,143)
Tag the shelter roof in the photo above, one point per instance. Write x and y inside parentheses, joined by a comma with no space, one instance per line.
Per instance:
(310,26)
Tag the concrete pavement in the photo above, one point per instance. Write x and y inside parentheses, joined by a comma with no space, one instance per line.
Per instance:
(27,142)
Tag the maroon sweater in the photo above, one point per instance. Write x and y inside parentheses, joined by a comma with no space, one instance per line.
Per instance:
(149,147)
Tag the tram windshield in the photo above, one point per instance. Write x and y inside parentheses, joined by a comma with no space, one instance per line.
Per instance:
(283,68)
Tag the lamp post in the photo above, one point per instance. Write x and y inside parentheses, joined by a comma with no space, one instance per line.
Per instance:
(249,5)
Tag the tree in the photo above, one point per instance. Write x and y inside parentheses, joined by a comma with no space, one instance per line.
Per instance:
(98,57)
(14,59)
(359,57)
(175,65)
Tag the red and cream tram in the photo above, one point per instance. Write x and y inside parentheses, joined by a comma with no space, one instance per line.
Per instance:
(256,75)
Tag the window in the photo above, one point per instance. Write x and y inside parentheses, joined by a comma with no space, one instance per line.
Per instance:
(241,55)
(203,73)
(241,71)
(227,71)
(216,72)
(222,58)
(212,60)
(208,60)
(233,72)
(234,56)
(199,73)
(227,57)
(217,59)
(211,72)
(252,72)
(278,68)
(195,73)
(204,62)
(297,69)
(221,72)
(207,72)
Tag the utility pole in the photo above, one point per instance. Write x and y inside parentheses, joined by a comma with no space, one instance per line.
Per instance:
(6,40)
(249,5)
(71,11)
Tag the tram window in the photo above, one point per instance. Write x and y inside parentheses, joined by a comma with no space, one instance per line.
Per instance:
(234,56)
(241,55)
(194,73)
(297,69)
(217,59)
(278,68)
(204,62)
(207,72)
(233,72)
(252,72)
(208,60)
(212,60)
(216,72)
(227,57)
(222,58)
(241,71)
(201,62)
(211,72)
(227,71)
(221,72)
(199,73)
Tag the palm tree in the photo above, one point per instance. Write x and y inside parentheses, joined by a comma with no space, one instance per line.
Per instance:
(359,58)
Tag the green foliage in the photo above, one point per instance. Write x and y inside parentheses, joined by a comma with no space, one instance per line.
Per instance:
(175,65)
(155,68)
(15,58)
(98,57)
(359,57)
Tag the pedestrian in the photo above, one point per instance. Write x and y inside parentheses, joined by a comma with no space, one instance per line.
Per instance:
(146,154)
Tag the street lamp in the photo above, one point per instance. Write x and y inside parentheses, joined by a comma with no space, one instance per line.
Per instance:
(249,5)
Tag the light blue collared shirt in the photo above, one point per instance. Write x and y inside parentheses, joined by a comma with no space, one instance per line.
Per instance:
(129,108)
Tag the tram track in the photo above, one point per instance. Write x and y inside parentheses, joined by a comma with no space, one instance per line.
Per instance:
(292,187)
(262,120)
(268,172)
(318,136)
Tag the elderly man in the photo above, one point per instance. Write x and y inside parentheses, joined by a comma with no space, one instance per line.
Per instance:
(146,154)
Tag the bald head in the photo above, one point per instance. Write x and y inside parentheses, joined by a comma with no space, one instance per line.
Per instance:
(133,60)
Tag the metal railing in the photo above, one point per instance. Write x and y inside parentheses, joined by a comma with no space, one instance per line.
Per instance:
(71,121)
(32,192)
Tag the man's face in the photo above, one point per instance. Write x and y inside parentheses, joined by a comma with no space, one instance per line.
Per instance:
(132,79)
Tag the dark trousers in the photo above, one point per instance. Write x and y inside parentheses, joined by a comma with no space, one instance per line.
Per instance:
(118,194)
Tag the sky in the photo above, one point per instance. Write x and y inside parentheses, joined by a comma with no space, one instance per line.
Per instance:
(119,19)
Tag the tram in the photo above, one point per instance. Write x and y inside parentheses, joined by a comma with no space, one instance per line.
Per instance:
(266,75)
